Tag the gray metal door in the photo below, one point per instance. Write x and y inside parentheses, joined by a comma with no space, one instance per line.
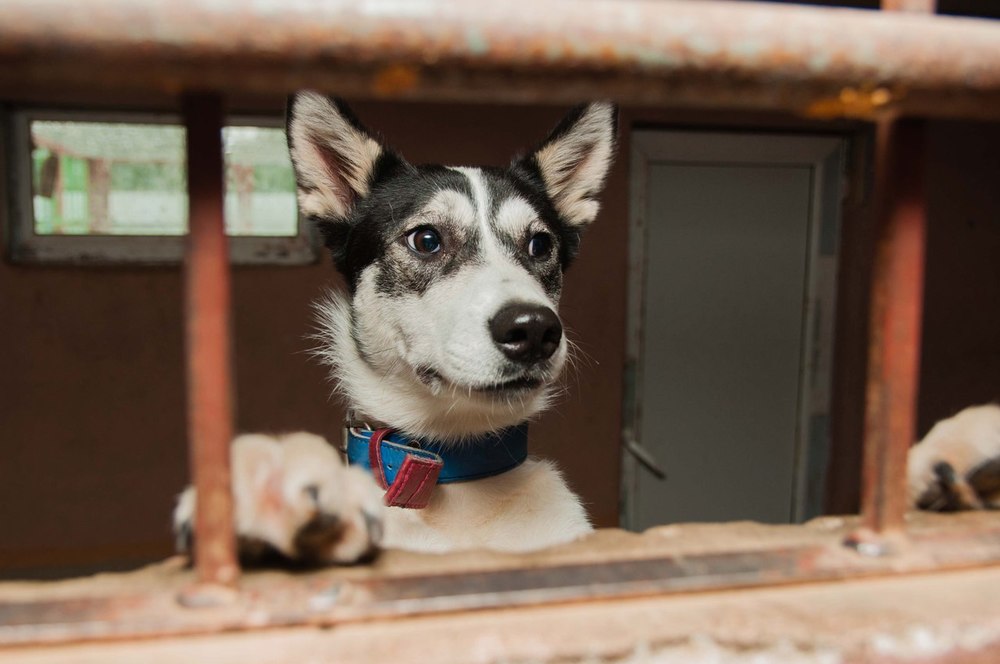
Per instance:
(730,263)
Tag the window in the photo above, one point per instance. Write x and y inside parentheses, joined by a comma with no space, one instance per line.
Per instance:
(90,188)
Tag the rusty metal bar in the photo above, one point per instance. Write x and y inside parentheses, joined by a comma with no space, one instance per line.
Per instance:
(209,371)
(811,60)
(896,318)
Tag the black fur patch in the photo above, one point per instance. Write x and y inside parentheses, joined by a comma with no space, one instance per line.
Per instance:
(370,238)
(379,220)
(408,272)
(941,495)
(527,178)
(415,274)
(504,184)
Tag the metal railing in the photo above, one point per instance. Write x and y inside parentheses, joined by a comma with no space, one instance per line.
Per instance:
(811,61)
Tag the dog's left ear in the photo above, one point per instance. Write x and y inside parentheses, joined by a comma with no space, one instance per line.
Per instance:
(574,161)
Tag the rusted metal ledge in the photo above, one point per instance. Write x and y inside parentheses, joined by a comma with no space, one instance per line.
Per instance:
(209,360)
(930,619)
(809,60)
(670,560)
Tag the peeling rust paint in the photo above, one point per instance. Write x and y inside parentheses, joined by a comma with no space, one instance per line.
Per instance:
(671,53)
(395,80)
(865,102)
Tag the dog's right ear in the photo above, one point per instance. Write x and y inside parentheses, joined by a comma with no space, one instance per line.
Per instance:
(336,159)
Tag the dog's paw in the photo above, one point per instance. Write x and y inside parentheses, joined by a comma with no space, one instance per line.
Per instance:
(294,497)
(957,465)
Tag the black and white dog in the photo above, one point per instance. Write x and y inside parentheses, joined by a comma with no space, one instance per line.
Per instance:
(446,343)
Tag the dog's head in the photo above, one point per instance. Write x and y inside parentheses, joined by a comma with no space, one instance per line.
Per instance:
(454,274)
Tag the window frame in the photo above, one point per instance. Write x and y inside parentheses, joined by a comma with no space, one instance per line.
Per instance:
(24,246)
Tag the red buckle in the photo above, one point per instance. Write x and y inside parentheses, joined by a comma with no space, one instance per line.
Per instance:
(415,480)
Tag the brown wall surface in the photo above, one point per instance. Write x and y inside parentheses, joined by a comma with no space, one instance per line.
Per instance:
(960,359)
(92,431)
(960,363)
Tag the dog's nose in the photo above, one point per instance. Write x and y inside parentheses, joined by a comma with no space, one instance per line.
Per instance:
(526,332)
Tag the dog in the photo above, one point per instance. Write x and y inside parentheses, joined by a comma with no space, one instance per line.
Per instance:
(957,464)
(446,343)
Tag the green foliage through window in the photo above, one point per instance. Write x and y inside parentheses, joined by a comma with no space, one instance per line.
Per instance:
(107,178)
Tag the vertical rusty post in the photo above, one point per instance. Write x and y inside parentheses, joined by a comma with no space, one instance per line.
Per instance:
(209,370)
(894,346)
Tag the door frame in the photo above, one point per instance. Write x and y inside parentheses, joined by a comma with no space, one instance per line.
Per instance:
(825,156)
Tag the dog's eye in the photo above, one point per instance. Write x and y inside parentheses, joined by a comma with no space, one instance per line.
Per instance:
(540,245)
(424,240)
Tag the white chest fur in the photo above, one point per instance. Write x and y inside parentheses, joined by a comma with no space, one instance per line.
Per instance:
(527,508)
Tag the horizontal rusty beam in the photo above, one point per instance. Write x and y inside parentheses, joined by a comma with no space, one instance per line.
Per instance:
(331,597)
(819,62)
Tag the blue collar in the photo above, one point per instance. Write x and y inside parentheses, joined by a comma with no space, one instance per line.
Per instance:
(485,456)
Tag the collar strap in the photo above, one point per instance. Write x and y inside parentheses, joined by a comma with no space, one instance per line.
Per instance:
(409,468)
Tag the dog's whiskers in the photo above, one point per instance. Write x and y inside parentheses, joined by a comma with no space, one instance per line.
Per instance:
(574,357)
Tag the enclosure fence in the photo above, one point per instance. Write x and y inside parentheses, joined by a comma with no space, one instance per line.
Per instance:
(895,68)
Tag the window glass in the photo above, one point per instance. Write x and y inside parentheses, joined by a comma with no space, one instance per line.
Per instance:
(113,178)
